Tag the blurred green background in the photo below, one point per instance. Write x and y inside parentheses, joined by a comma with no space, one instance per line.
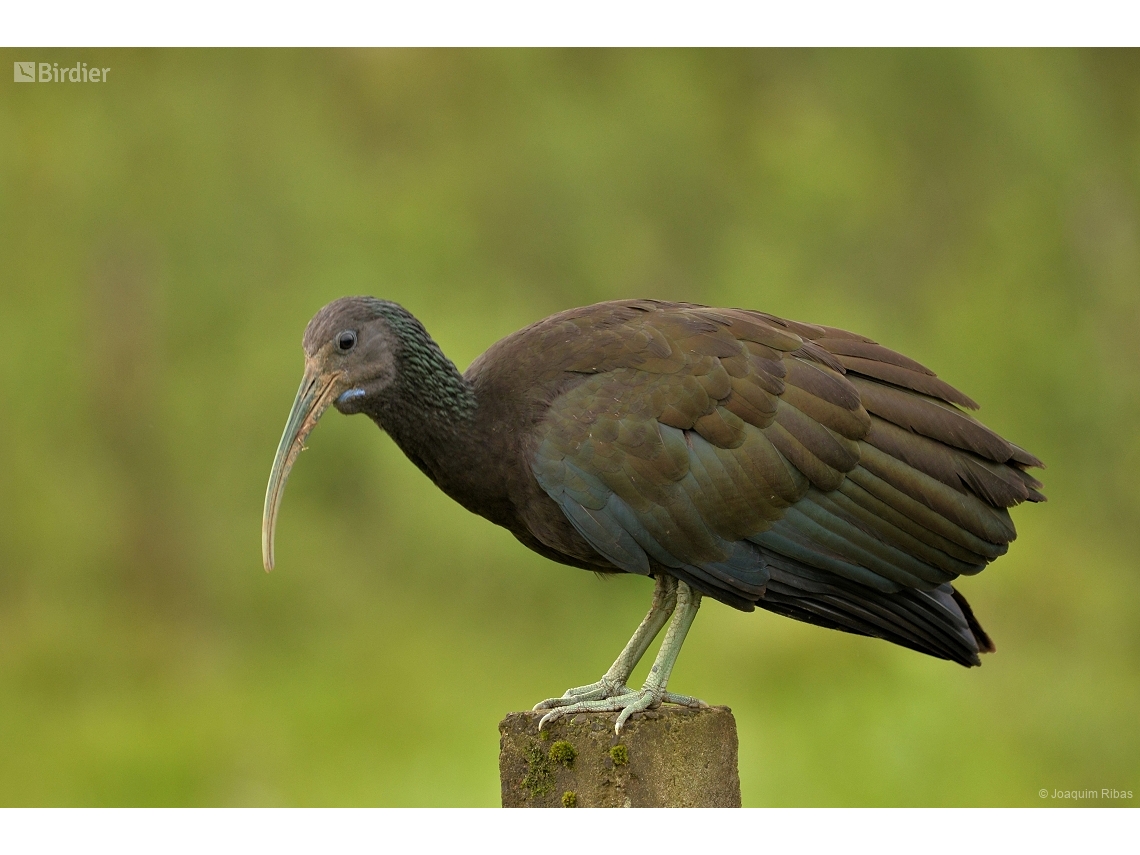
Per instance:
(165,237)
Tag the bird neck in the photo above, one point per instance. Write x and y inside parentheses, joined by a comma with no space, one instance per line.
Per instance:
(430,409)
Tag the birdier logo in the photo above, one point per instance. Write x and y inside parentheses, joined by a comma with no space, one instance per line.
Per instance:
(50,72)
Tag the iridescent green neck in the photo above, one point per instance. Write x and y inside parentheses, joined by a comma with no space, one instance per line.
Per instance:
(427,378)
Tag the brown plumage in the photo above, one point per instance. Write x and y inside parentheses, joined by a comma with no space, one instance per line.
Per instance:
(799,468)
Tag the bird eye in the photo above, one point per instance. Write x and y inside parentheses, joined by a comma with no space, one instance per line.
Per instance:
(346,341)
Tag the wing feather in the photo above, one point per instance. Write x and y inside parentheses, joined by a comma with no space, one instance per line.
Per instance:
(797,467)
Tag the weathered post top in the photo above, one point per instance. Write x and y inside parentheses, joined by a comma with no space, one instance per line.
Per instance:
(668,757)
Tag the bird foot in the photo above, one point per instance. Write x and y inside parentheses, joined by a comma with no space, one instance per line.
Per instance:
(604,688)
(624,701)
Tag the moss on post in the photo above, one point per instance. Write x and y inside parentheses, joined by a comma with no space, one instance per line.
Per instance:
(669,757)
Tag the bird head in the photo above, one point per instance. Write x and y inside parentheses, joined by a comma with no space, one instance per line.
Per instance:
(351,351)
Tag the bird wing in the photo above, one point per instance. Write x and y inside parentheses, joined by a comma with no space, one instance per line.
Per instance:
(747,454)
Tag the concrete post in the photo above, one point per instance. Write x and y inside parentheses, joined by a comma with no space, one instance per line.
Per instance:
(669,757)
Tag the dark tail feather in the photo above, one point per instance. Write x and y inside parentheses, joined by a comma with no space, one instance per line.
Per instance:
(939,622)
(985,643)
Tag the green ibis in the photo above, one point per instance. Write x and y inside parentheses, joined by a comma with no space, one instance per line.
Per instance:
(725,453)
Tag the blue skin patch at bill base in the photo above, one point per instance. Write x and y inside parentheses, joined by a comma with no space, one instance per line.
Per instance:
(350,395)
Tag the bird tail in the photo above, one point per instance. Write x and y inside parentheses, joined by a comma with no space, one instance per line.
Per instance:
(938,622)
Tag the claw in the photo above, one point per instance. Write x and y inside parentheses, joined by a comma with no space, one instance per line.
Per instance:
(645,700)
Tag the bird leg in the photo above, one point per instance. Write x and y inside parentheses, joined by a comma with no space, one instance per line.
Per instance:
(613,681)
(626,701)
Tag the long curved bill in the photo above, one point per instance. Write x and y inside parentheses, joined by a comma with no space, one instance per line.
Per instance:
(317,391)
